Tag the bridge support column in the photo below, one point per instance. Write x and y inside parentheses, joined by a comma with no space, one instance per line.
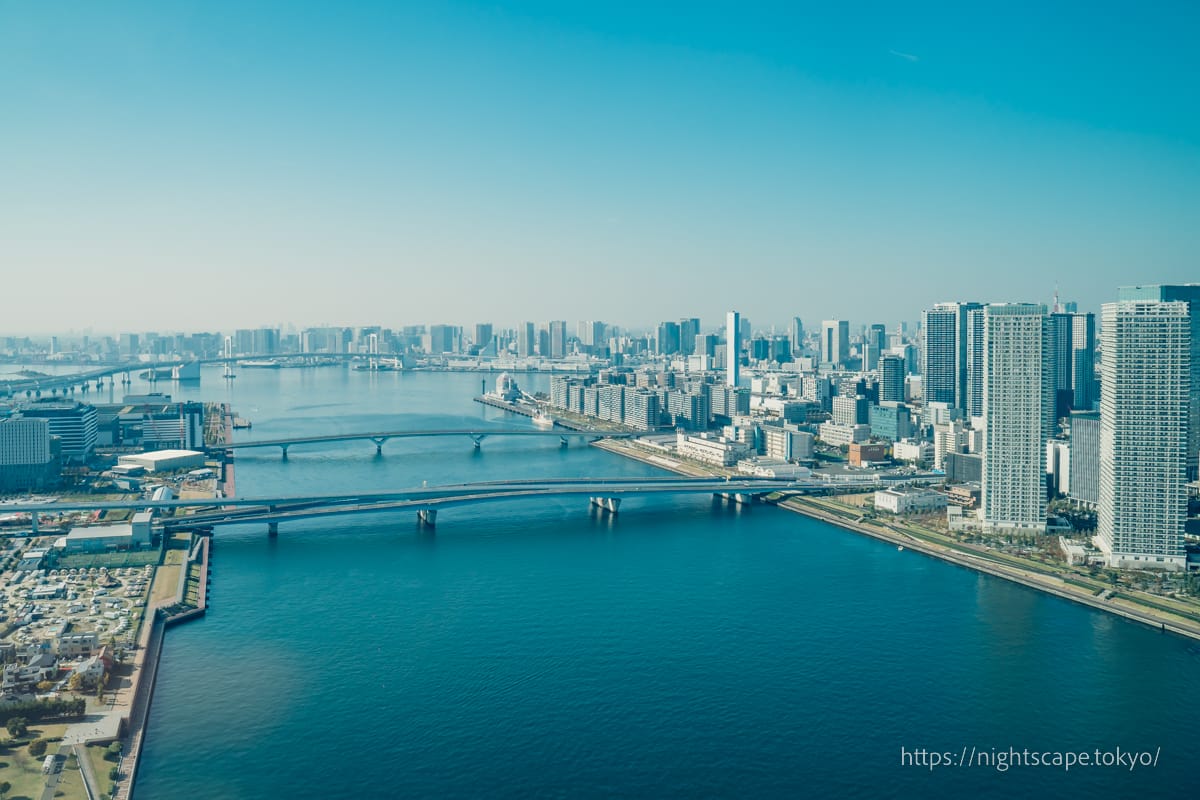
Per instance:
(427,517)
(609,504)
(379,446)
(738,498)
(478,440)
(272,529)
(563,441)
(284,449)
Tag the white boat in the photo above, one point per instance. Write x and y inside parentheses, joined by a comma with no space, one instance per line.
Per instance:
(543,420)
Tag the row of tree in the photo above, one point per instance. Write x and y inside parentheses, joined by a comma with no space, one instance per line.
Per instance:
(38,710)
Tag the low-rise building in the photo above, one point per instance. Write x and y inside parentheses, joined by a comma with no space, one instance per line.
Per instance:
(776,468)
(838,435)
(910,450)
(165,460)
(710,450)
(864,454)
(909,501)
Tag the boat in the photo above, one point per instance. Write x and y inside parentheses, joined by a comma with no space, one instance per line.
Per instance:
(900,547)
(266,364)
(543,420)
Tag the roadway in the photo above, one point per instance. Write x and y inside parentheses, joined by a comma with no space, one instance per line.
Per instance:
(220,511)
(379,437)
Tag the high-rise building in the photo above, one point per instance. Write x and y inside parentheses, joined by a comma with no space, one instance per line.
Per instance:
(1017,409)
(1145,382)
(891,379)
(1085,457)
(974,397)
(526,339)
(483,333)
(29,455)
(1188,293)
(1083,361)
(944,357)
(875,344)
(689,328)
(558,339)
(733,348)
(796,336)
(835,341)
(74,424)
(441,339)
(668,338)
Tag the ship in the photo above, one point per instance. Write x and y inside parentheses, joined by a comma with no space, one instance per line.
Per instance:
(269,364)
(543,420)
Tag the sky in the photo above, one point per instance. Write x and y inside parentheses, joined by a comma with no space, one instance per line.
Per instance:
(210,165)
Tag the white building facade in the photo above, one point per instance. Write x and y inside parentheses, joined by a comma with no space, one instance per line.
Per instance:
(1017,405)
(1145,387)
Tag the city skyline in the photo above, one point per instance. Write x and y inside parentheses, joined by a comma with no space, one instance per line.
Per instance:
(382,163)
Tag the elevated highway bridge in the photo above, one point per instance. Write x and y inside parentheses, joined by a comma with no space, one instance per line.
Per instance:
(605,493)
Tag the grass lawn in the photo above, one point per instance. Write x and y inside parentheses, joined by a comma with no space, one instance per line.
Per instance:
(70,781)
(101,766)
(24,771)
(166,581)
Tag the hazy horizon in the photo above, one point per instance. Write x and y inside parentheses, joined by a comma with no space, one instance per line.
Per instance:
(215,165)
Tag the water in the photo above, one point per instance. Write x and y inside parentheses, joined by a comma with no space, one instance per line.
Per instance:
(537,648)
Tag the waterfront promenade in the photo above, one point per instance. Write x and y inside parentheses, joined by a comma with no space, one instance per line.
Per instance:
(981,560)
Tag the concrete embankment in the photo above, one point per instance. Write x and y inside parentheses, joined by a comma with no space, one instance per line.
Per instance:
(1054,585)
(150,651)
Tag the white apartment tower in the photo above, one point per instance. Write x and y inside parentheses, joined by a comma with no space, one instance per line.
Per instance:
(1145,384)
(1018,405)
(733,347)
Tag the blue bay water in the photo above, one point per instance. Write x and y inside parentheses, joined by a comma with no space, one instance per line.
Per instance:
(682,649)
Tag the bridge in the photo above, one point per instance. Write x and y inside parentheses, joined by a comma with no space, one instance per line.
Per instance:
(604,493)
(86,378)
(477,435)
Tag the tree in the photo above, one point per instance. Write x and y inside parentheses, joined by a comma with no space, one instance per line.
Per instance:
(45,686)
(17,726)
(113,751)
(37,748)
(5,788)
(114,773)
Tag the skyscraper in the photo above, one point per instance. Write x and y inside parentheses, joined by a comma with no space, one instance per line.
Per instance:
(1083,361)
(974,362)
(483,333)
(668,338)
(689,328)
(1145,383)
(796,336)
(874,346)
(1188,293)
(835,341)
(944,355)
(1017,404)
(891,379)
(526,339)
(558,338)
(733,347)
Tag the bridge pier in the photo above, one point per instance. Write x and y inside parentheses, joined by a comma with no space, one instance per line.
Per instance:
(478,440)
(284,448)
(563,440)
(272,529)
(379,446)
(427,517)
(737,498)
(609,504)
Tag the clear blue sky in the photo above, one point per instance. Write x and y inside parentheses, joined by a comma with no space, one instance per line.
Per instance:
(204,165)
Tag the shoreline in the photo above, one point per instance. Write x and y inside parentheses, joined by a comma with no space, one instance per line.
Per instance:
(1045,583)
